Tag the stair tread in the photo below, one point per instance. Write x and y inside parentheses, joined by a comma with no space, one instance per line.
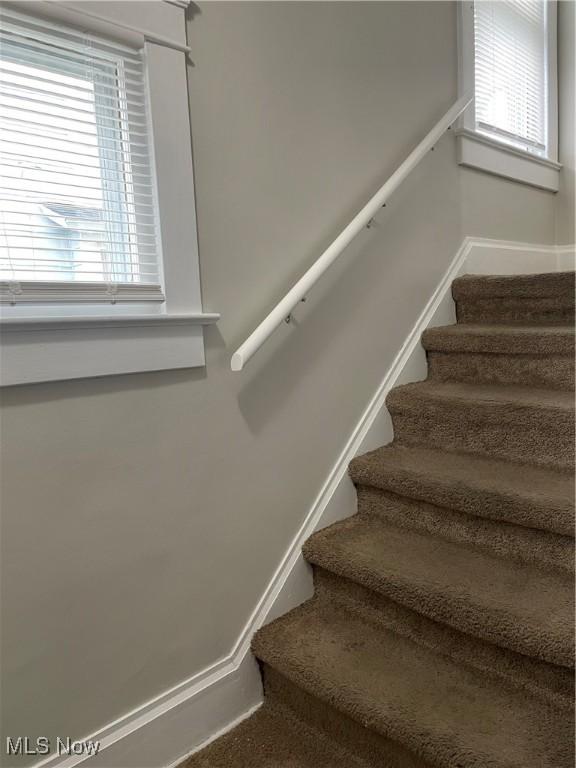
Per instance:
(495,489)
(500,398)
(444,712)
(503,602)
(501,339)
(535,286)
(270,740)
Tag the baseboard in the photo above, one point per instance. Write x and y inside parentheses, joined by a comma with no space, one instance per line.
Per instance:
(176,722)
(222,732)
(182,720)
(566,257)
(504,257)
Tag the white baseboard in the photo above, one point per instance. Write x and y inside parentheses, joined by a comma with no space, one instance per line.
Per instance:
(182,720)
(505,257)
(175,723)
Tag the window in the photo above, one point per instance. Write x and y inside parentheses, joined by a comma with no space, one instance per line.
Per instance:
(98,250)
(510,72)
(76,192)
(508,51)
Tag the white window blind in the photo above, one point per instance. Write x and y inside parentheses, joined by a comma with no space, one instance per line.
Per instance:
(77,199)
(510,71)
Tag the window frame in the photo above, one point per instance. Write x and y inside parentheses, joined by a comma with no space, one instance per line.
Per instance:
(477,149)
(60,339)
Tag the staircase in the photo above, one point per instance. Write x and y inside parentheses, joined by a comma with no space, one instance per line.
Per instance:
(441,629)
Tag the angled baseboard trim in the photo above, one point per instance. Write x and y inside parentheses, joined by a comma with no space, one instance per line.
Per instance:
(175,724)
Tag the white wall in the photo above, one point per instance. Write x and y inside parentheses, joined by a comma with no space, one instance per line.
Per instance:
(143,515)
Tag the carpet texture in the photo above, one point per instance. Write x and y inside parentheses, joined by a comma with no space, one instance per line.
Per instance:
(441,631)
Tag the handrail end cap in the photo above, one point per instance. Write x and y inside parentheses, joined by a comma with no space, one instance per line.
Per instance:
(237,362)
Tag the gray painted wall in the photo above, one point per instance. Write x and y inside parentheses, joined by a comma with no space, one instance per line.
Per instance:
(499,208)
(143,515)
(565,229)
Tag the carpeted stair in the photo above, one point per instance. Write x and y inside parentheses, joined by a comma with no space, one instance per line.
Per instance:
(441,632)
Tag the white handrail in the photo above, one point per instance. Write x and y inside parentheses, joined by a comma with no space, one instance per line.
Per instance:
(285,306)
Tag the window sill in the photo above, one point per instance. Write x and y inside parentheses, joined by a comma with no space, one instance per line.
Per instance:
(478,151)
(8,324)
(58,348)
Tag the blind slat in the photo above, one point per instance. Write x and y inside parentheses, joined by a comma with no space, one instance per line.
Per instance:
(58,291)
(26,184)
(42,230)
(66,167)
(72,106)
(22,193)
(83,88)
(89,212)
(31,119)
(82,268)
(29,50)
(64,36)
(70,174)
(31,250)
(67,150)
(110,221)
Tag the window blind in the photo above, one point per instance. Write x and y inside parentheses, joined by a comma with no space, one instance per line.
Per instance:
(77,199)
(510,71)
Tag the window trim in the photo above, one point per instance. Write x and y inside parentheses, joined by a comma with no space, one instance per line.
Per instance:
(484,152)
(59,341)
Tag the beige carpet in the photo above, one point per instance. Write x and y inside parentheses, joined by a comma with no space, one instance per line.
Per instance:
(441,632)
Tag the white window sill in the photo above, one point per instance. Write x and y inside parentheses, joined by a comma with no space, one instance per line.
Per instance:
(36,349)
(8,324)
(478,151)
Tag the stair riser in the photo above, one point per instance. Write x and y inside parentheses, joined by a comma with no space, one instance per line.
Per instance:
(535,548)
(554,513)
(366,744)
(555,286)
(516,311)
(478,368)
(523,435)
(553,683)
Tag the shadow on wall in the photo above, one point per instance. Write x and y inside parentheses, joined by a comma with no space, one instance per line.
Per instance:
(54,391)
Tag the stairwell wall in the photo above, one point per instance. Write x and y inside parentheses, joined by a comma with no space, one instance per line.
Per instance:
(144,515)
(566,203)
